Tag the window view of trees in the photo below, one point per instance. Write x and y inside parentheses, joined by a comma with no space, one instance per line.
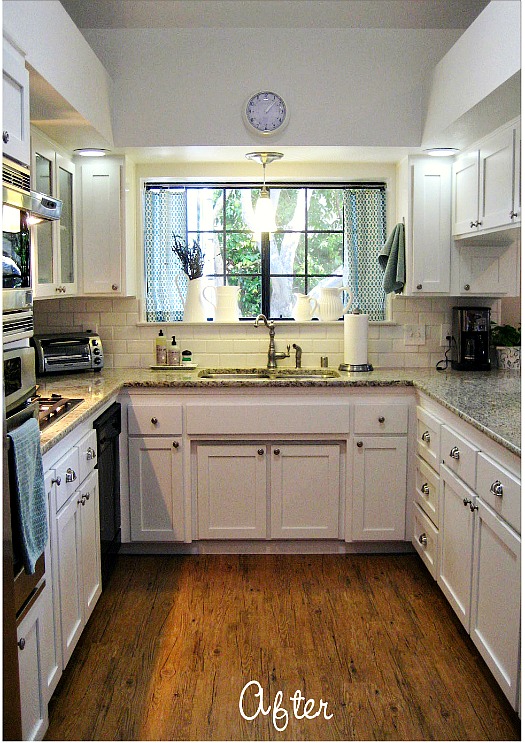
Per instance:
(306,249)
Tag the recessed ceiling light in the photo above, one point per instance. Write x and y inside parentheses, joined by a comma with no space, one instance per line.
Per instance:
(90,152)
(442,151)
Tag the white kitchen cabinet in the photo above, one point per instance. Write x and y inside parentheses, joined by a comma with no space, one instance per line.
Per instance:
(496,598)
(379,487)
(54,243)
(456,534)
(156,488)
(425,538)
(15,105)
(106,230)
(30,638)
(237,482)
(425,205)
(486,270)
(231,490)
(305,491)
(486,184)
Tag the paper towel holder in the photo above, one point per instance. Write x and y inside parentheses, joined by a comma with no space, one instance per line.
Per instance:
(356,367)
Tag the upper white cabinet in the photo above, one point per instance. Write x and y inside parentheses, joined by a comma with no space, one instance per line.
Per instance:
(424,188)
(15,105)
(486,184)
(106,226)
(54,243)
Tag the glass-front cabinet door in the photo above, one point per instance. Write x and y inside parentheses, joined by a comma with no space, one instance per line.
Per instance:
(53,243)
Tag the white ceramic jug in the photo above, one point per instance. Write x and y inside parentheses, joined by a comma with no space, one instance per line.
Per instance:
(331,302)
(304,307)
(196,308)
(226,302)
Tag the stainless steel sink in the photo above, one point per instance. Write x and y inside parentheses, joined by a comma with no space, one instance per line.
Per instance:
(299,375)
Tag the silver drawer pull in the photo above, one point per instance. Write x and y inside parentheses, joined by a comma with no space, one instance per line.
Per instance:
(497,488)
(71,475)
(423,539)
(154,421)
(454,452)
(91,453)
(426,437)
(425,489)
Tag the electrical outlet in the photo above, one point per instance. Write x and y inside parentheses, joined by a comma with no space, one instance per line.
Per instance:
(445,330)
(414,335)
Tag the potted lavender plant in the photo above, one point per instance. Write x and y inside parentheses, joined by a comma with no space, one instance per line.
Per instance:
(196,308)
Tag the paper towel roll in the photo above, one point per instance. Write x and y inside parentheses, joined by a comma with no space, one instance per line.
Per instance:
(355,339)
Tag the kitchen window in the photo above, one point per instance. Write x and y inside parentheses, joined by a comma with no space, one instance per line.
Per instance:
(326,236)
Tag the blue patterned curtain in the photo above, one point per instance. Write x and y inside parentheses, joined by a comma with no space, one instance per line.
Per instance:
(164,214)
(365,235)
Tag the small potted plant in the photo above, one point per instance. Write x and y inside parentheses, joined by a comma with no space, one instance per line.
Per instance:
(196,308)
(506,339)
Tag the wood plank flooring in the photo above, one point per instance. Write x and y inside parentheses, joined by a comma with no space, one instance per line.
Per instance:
(173,641)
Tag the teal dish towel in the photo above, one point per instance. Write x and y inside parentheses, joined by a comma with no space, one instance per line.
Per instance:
(392,260)
(31,494)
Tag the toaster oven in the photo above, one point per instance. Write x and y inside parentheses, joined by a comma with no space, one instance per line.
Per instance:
(68,352)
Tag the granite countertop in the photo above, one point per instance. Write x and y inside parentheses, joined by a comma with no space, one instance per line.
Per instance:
(490,401)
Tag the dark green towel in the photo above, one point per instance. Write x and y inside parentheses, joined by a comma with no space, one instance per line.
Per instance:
(392,260)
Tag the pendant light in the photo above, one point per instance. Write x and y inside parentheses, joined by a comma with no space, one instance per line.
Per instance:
(264,216)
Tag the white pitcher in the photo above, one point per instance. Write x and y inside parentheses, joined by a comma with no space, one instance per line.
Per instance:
(304,307)
(331,302)
(226,302)
(196,308)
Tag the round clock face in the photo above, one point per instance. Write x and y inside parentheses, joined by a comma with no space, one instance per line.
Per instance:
(265,113)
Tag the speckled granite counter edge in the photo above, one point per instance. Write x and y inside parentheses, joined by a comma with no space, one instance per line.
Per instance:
(129,379)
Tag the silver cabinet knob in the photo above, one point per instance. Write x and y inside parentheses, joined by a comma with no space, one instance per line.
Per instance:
(466,502)
(425,489)
(176,444)
(5,137)
(381,419)
(21,643)
(473,224)
(467,287)
(154,420)
(423,539)
(497,488)
(82,501)
(90,454)
(260,452)
(71,475)
(56,481)
(276,451)
(114,287)
(426,437)
(513,215)
(473,507)
(359,444)
(454,453)
(419,286)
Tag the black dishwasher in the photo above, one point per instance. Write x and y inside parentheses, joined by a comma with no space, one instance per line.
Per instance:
(108,427)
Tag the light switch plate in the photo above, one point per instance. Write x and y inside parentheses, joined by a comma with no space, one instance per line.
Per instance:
(414,335)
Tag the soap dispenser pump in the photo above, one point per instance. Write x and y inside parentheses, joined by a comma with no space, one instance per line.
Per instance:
(160,348)
(174,353)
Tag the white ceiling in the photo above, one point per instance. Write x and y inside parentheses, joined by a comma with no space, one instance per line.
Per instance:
(427,14)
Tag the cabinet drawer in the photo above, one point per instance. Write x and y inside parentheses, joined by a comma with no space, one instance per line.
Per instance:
(87,455)
(376,418)
(428,437)
(427,490)
(425,539)
(66,476)
(155,419)
(499,489)
(459,455)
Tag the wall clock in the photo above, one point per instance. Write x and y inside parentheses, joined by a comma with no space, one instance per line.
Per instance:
(265,113)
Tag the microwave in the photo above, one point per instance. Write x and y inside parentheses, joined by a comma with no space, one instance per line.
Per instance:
(19,377)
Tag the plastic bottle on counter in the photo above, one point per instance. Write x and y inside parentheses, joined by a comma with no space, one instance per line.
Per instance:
(173,353)
(186,358)
(160,348)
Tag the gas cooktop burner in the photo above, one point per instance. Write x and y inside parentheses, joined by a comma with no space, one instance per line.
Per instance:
(54,407)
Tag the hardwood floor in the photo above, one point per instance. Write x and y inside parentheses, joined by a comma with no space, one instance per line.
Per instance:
(173,641)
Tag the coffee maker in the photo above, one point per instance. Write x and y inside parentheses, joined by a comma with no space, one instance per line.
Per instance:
(470,345)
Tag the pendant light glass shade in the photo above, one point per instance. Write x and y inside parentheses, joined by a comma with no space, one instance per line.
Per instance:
(264,216)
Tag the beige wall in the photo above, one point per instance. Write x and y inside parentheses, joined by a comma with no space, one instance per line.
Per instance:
(129,343)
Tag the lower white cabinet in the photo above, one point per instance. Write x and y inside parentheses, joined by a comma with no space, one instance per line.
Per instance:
(79,576)
(300,482)
(496,595)
(456,532)
(30,638)
(156,488)
(379,488)
(231,491)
